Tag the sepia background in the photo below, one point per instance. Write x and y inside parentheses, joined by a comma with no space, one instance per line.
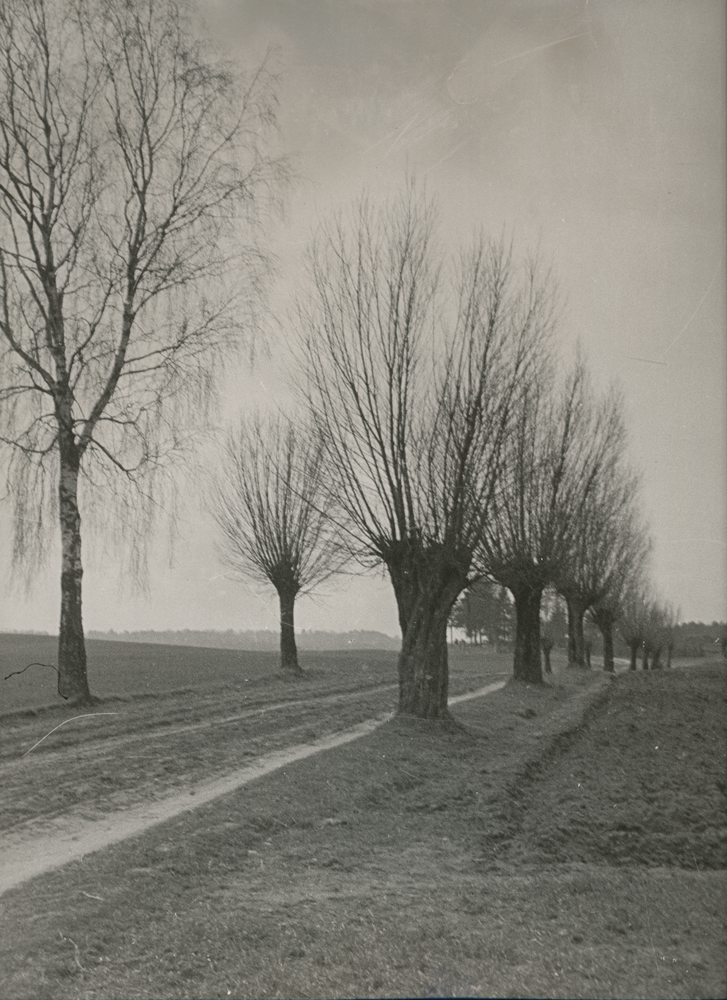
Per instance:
(593,130)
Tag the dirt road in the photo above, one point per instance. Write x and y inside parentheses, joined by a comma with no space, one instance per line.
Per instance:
(44,843)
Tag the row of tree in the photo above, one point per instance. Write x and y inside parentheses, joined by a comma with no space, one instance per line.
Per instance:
(436,433)
(441,439)
(644,626)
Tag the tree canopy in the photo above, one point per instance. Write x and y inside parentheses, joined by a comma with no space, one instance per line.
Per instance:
(273,508)
(134,171)
(413,363)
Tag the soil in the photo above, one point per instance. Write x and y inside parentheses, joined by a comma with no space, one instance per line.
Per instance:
(40,845)
(563,840)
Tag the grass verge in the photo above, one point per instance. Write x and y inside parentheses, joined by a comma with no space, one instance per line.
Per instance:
(421,861)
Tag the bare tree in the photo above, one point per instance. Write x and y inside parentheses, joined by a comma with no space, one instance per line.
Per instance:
(482,609)
(671,623)
(659,634)
(552,463)
(626,566)
(273,509)
(633,620)
(413,367)
(604,532)
(133,174)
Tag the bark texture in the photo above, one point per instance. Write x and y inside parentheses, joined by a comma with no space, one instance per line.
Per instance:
(426,584)
(527,665)
(608,661)
(288,649)
(73,683)
(576,640)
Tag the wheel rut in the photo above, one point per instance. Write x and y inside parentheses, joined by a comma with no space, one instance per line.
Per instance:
(42,845)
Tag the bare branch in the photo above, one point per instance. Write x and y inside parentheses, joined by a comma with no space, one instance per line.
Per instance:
(135,176)
(274,512)
(413,365)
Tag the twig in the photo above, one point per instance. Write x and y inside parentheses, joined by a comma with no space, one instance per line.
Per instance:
(50,665)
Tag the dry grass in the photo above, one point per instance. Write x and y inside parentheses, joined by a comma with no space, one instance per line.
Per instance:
(421,861)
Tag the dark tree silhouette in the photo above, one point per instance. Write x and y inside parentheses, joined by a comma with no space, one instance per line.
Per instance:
(131,161)
(634,618)
(483,610)
(661,621)
(627,562)
(553,625)
(553,460)
(605,536)
(273,510)
(414,365)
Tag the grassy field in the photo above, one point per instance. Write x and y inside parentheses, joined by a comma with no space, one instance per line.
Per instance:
(126,668)
(563,841)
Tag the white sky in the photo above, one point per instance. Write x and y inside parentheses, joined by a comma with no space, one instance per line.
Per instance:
(594,128)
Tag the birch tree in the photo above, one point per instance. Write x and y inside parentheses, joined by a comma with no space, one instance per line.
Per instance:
(134,172)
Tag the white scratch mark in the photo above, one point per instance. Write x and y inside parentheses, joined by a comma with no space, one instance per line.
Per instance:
(647,361)
(539,48)
(699,306)
(447,155)
(86,716)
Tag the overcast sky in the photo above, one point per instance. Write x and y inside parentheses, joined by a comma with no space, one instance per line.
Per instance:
(594,129)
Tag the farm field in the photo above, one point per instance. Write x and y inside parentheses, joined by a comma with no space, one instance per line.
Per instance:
(568,841)
(135,668)
(136,747)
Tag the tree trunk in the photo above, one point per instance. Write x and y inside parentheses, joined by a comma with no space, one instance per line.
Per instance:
(645,658)
(288,649)
(423,664)
(72,676)
(546,658)
(576,640)
(633,648)
(607,633)
(527,666)
(426,583)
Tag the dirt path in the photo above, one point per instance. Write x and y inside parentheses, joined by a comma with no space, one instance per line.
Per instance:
(27,853)
(156,732)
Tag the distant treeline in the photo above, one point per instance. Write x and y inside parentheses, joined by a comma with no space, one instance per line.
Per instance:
(259,640)
(698,639)
(689,639)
